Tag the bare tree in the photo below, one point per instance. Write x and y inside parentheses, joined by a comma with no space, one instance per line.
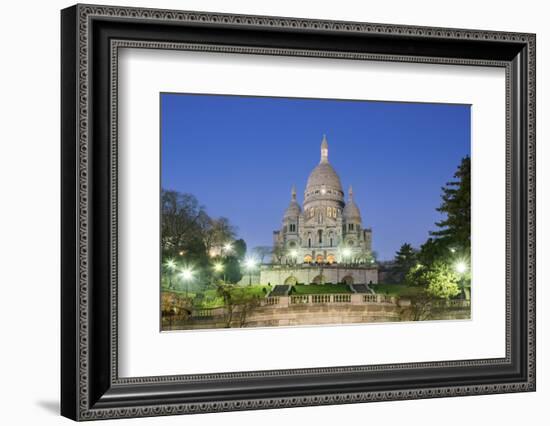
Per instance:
(181,220)
(217,232)
(237,301)
(277,254)
(261,252)
(420,308)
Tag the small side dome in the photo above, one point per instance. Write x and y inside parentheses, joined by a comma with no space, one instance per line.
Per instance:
(293,209)
(351,211)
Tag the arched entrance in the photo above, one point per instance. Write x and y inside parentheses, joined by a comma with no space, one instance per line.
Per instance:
(308,258)
(319,258)
(291,280)
(348,279)
(319,279)
(331,258)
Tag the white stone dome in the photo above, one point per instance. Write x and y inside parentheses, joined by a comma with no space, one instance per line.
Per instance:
(351,211)
(293,209)
(323,174)
(323,182)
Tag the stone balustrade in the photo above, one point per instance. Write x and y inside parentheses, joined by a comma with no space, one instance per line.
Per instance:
(333,299)
(337,298)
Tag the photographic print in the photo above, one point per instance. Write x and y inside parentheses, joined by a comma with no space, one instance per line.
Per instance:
(280,212)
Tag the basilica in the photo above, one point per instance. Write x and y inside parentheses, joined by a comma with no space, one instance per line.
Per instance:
(324,241)
(329,229)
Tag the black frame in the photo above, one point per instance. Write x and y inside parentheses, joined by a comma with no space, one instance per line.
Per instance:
(90,386)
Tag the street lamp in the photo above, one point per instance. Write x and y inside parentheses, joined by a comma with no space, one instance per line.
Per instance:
(228,248)
(218,267)
(346,253)
(186,275)
(171,266)
(250,264)
(294,255)
(461,267)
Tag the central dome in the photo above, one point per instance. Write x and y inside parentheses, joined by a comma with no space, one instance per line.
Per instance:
(323,182)
(323,174)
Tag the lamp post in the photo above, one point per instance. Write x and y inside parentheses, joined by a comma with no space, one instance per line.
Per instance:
(227,248)
(171,266)
(218,267)
(250,264)
(186,275)
(346,254)
(294,256)
(461,268)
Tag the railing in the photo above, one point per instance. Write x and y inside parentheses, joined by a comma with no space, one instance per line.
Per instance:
(298,300)
(317,299)
(378,298)
(204,313)
(320,298)
(341,298)
(382,298)
(453,303)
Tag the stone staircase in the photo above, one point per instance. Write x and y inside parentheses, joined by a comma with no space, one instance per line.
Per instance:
(280,290)
(361,288)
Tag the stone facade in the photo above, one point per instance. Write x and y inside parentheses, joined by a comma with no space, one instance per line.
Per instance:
(328,230)
(307,274)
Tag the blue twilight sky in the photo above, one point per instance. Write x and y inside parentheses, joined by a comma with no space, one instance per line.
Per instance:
(241,155)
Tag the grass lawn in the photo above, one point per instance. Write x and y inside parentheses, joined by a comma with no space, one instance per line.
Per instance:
(394,289)
(211,299)
(320,289)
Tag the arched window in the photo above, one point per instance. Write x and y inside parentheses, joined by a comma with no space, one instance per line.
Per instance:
(320,234)
(309,242)
(291,280)
(348,279)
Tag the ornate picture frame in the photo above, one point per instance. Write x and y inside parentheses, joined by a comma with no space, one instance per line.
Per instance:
(90,38)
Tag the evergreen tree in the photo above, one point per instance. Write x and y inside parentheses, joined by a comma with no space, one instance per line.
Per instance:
(233,268)
(405,257)
(239,248)
(454,230)
(233,273)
